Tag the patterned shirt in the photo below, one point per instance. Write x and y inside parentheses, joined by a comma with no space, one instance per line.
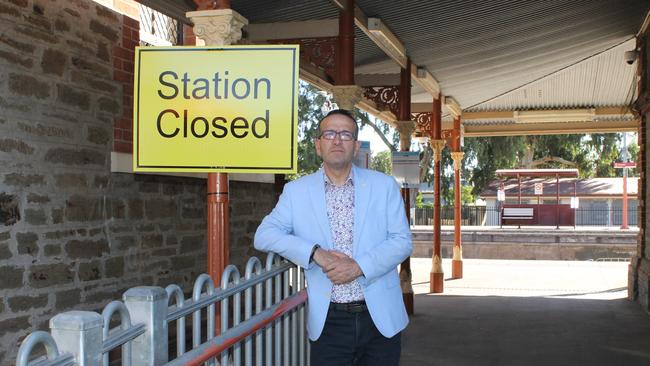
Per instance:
(340,212)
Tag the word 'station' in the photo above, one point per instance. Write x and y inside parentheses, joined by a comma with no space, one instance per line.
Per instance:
(216,88)
(227,109)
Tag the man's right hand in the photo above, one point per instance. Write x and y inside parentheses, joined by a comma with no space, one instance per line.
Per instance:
(324,257)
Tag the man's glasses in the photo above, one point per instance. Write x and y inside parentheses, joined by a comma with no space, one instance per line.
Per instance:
(331,135)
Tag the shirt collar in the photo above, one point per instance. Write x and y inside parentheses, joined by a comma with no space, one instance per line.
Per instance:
(348,180)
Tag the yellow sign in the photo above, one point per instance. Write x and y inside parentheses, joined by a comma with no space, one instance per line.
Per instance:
(216,109)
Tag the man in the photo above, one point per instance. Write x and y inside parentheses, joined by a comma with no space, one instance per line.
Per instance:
(347,227)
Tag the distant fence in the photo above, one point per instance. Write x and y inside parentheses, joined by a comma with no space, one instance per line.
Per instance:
(272,331)
(489,216)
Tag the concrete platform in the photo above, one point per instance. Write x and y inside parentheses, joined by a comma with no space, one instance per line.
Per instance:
(527,313)
(547,243)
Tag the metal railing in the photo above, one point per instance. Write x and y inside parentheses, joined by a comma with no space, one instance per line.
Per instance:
(272,331)
(489,216)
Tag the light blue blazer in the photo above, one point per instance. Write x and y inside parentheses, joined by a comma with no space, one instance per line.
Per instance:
(382,240)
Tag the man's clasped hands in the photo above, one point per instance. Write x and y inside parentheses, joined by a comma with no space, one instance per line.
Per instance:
(338,267)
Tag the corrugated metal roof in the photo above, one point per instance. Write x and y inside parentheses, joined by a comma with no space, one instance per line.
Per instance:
(584,187)
(603,80)
(480,50)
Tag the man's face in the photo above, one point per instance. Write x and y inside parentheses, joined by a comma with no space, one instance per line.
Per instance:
(337,153)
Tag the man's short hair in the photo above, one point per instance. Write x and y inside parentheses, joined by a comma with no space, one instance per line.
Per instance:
(342,112)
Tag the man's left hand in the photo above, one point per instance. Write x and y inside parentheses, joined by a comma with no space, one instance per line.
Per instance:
(342,270)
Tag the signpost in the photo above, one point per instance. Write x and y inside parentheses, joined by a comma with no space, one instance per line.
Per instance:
(216,109)
(624,166)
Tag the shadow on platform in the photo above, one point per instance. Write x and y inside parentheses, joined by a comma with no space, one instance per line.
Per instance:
(500,330)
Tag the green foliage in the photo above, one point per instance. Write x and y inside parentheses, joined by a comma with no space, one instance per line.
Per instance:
(466,195)
(382,162)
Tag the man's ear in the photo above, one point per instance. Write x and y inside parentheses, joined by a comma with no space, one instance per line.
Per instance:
(317,146)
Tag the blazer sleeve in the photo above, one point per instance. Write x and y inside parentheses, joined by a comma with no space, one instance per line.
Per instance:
(276,232)
(397,246)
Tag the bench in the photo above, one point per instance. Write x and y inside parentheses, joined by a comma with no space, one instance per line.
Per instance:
(517,213)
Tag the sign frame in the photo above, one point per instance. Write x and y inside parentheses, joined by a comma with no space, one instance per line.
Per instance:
(286,164)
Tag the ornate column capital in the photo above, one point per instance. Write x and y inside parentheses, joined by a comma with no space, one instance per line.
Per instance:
(406,130)
(457,156)
(437,146)
(347,96)
(220,27)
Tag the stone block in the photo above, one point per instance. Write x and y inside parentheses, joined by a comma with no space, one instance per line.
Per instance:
(39,21)
(102,51)
(27,243)
(14,325)
(24,303)
(82,208)
(52,250)
(83,64)
(114,267)
(73,97)
(124,242)
(61,25)
(192,243)
(118,208)
(10,145)
(160,208)
(24,48)
(9,209)
(16,59)
(183,262)
(164,252)
(47,275)
(24,180)
(57,215)
(77,249)
(5,251)
(9,10)
(107,32)
(90,271)
(109,105)
(53,62)
(66,300)
(81,157)
(93,82)
(101,181)
(35,216)
(152,241)
(193,212)
(70,180)
(11,277)
(98,135)
(103,297)
(28,86)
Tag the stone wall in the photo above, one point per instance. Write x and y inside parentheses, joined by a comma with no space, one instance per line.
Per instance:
(639,270)
(73,235)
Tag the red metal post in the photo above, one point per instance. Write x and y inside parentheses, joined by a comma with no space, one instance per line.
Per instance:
(457,263)
(436,284)
(345,64)
(218,225)
(624,223)
(557,201)
(405,115)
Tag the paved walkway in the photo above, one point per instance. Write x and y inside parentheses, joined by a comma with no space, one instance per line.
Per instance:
(527,313)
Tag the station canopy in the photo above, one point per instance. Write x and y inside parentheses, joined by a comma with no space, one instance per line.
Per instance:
(511,67)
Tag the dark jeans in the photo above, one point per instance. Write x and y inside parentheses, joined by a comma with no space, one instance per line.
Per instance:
(352,339)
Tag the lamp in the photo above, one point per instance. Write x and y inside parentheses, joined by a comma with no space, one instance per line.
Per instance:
(558,115)
(387,41)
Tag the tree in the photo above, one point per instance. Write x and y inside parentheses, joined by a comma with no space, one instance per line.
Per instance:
(382,162)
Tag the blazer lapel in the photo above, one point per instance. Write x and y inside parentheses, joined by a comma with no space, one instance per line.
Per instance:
(317,198)
(362,194)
